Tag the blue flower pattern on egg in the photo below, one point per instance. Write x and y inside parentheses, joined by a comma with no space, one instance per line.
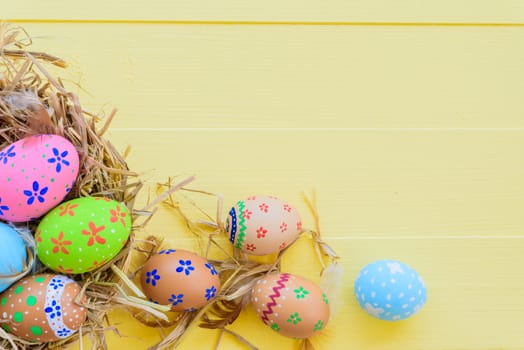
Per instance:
(390,290)
(185,266)
(152,277)
(210,293)
(187,279)
(58,159)
(3,207)
(36,193)
(211,269)
(64,332)
(56,283)
(54,310)
(5,155)
(176,299)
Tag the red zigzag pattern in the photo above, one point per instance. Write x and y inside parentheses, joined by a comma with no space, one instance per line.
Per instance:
(276,294)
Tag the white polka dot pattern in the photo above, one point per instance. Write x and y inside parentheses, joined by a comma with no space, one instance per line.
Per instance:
(390,290)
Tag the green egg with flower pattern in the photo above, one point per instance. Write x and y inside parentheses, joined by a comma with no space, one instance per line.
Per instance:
(82,234)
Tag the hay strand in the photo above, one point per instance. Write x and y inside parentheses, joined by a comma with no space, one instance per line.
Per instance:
(33,100)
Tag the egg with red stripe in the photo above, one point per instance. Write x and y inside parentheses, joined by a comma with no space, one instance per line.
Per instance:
(291,305)
(42,308)
(36,174)
(262,225)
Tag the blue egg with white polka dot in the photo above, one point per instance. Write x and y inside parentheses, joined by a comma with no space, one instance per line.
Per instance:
(390,290)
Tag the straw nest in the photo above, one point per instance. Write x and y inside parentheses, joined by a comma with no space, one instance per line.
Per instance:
(33,101)
(238,273)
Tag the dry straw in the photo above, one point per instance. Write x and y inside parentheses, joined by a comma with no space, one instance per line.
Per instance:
(33,101)
(237,272)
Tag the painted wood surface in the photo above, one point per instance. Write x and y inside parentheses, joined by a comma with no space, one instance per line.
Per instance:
(371,11)
(411,135)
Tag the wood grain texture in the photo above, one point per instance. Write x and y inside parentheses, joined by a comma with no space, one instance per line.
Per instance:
(465,309)
(411,136)
(172,76)
(374,183)
(472,11)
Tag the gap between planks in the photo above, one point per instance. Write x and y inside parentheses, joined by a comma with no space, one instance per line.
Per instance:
(407,238)
(418,238)
(275,23)
(287,129)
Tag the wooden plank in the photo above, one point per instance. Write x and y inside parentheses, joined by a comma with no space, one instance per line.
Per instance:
(474,301)
(411,137)
(294,77)
(477,11)
(377,184)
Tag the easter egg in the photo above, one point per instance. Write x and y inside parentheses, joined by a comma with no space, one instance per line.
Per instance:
(390,290)
(291,305)
(36,173)
(262,225)
(181,279)
(42,308)
(13,256)
(82,234)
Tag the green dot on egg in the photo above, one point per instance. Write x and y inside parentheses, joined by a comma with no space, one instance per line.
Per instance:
(43,155)
(39,279)
(52,179)
(19,289)
(36,330)
(31,300)
(18,316)
(47,145)
(4,301)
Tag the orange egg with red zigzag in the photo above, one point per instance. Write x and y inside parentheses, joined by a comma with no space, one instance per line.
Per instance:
(291,305)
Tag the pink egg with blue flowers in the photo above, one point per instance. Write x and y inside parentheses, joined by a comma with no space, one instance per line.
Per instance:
(36,174)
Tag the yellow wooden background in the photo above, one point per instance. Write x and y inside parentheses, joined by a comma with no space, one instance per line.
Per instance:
(406,117)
